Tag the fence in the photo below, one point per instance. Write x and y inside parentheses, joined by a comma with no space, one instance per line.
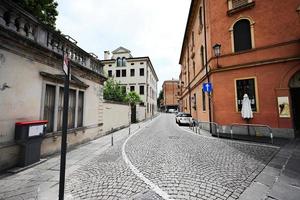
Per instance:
(235,129)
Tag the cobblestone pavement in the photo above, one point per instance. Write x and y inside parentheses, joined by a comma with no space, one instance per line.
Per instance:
(188,166)
(182,164)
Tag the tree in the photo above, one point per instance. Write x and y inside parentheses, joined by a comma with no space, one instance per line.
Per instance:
(44,10)
(160,98)
(133,98)
(113,91)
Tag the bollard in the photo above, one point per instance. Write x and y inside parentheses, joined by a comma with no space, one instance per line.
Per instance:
(271,135)
(112,139)
(231,133)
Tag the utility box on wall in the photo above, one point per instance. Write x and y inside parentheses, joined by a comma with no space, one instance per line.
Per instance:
(29,136)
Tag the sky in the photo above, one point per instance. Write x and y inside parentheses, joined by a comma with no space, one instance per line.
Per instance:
(153,28)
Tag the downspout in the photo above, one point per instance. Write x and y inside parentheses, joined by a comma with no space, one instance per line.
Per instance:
(206,67)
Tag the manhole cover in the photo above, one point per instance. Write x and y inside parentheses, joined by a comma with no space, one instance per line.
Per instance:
(174,137)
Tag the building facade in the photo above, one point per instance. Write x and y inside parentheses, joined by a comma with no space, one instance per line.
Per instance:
(32,82)
(259,55)
(134,74)
(170,92)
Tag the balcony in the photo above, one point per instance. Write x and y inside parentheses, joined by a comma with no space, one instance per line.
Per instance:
(28,29)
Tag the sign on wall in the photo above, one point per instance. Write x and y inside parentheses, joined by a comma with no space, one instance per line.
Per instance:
(207,87)
(36,130)
(283,107)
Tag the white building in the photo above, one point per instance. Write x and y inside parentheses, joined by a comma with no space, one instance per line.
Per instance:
(134,74)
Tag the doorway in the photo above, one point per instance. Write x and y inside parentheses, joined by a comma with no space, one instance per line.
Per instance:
(295,95)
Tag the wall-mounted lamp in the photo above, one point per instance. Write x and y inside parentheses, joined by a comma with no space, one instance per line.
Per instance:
(217,51)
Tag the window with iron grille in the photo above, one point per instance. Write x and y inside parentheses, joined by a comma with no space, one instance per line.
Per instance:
(109,73)
(123,72)
(132,71)
(118,73)
(80,109)
(142,90)
(142,72)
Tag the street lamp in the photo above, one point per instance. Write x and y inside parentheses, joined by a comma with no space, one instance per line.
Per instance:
(217,51)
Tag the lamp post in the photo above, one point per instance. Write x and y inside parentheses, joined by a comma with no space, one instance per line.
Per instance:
(217,51)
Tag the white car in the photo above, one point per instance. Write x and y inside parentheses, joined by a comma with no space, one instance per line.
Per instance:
(183,118)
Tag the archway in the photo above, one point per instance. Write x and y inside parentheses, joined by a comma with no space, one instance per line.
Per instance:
(294,85)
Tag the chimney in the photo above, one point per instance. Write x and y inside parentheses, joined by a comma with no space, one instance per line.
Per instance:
(106,55)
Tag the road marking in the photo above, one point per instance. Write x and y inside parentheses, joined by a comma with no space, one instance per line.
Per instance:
(235,141)
(152,186)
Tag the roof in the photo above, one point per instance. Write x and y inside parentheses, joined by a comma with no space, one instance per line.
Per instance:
(193,3)
(121,50)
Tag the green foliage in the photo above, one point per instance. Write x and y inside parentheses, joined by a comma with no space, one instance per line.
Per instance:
(133,98)
(160,97)
(44,10)
(113,91)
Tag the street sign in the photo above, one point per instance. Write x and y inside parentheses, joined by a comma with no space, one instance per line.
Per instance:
(207,87)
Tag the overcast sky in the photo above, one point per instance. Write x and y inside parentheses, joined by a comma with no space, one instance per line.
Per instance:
(153,28)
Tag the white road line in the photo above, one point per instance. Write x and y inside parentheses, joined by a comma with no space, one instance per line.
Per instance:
(235,141)
(152,186)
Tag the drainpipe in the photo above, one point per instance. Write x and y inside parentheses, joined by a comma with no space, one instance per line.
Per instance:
(206,67)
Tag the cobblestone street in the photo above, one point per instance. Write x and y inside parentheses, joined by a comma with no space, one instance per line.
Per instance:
(169,158)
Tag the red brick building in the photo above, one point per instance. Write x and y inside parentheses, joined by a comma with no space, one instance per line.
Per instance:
(170,91)
(260,56)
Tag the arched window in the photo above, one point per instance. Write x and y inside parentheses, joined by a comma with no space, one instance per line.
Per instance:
(119,62)
(123,61)
(242,35)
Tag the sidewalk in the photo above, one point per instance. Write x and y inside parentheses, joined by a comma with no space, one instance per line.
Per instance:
(280,180)
(42,181)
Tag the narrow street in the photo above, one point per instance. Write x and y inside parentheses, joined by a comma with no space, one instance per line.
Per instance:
(159,160)
(174,163)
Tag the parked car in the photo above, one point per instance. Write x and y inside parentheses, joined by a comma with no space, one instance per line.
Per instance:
(183,118)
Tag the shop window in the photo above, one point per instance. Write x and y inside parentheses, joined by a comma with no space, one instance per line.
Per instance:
(242,35)
(246,86)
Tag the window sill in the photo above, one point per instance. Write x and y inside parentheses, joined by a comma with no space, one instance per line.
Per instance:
(241,8)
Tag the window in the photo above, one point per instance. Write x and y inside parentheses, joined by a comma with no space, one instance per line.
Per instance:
(194,68)
(202,55)
(141,90)
(80,109)
(123,61)
(246,86)
(238,3)
(49,104)
(200,18)
(132,71)
(119,62)
(141,63)
(142,72)
(123,72)
(132,63)
(193,39)
(194,98)
(203,101)
(118,73)
(50,108)
(109,73)
(72,108)
(109,65)
(242,35)
(132,88)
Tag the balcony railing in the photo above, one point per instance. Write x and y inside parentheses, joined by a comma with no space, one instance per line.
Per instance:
(14,18)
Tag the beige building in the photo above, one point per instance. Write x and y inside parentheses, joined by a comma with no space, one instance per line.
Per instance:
(170,91)
(31,84)
(134,74)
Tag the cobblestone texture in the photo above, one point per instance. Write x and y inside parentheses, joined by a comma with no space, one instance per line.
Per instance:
(184,165)
(187,166)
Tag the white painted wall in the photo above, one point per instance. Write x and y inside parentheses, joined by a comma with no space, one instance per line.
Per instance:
(115,116)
